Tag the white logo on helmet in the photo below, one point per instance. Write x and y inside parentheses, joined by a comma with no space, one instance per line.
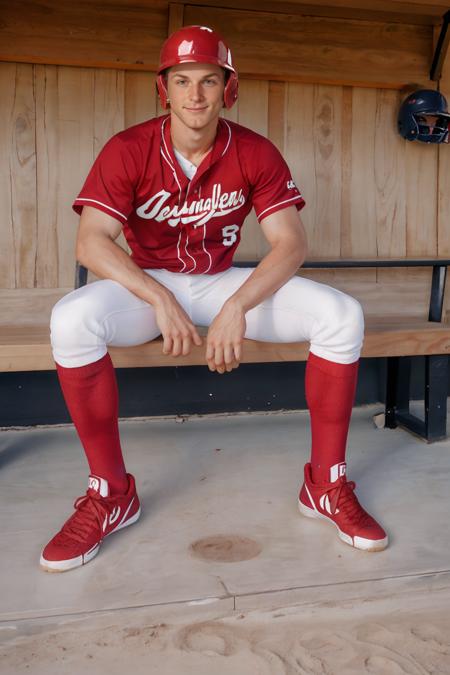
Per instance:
(185,48)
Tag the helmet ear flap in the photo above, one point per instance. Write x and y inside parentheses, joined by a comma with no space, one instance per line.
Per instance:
(162,90)
(230,93)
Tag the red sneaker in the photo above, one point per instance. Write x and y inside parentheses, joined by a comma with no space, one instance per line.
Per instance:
(97,514)
(337,502)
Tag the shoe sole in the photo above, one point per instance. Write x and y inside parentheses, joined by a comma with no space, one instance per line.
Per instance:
(66,565)
(356,542)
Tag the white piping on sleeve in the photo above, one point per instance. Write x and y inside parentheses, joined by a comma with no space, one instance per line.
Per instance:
(285,201)
(85,199)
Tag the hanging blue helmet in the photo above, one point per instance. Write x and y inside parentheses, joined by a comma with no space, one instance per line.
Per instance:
(424,116)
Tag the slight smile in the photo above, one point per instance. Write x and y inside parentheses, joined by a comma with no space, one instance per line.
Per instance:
(196,109)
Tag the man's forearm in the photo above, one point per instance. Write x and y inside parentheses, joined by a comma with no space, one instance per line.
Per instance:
(108,260)
(277,267)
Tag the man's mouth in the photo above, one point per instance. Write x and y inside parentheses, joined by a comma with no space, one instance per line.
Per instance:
(195,109)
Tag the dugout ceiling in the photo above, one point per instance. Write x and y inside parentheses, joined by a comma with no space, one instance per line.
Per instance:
(355,42)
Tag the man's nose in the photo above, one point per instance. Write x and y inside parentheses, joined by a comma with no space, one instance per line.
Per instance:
(196,92)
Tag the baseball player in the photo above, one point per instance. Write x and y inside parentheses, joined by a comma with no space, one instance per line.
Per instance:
(180,187)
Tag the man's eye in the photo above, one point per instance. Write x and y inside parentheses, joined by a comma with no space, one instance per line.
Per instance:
(209,82)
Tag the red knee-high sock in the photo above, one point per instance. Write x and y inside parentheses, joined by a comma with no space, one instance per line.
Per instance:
(330,392)
(92,399)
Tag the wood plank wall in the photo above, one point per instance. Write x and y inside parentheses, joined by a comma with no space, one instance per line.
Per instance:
(368,192)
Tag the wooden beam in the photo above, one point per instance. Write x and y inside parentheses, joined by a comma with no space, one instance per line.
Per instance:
(321,50)
(176,17)
(118,35)
(397,11)
(279,46)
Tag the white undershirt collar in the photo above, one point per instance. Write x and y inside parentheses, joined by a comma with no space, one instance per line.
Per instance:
(187,167)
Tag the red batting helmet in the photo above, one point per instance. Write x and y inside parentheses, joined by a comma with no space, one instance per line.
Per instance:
(197,44)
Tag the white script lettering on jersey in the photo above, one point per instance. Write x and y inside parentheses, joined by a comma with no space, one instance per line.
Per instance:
(198,212)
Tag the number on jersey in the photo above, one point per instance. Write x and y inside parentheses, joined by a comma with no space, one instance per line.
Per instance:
(229,234)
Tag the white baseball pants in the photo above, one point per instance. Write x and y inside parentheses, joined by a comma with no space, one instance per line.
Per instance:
(103,313)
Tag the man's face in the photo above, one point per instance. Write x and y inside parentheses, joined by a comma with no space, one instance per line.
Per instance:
(196,93)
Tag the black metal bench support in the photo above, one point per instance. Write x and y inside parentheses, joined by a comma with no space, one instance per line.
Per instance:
(434,425)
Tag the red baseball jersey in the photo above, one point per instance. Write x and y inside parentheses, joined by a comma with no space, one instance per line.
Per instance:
(181,225)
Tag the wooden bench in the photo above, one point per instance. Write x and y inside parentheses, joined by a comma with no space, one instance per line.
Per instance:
(396,337)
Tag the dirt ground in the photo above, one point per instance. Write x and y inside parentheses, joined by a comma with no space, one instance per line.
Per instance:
(408,634)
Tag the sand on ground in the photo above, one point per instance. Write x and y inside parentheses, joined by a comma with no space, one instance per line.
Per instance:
(404,634)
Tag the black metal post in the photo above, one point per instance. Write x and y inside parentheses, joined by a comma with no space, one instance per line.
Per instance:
(436,385)
(397,389)
(437,293)
(441,49)
(390,421)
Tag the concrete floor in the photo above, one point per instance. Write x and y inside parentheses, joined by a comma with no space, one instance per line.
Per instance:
(236,476)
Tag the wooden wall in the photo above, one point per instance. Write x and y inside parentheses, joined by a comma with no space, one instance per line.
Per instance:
(368,192)
(58,118)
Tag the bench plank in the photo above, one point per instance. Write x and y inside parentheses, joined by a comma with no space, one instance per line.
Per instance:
(27,348)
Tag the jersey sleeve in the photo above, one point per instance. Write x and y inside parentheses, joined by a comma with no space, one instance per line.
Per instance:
(109,185)
(273,187)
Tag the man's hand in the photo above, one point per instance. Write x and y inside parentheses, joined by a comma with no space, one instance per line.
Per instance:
(177,329)
(225,336)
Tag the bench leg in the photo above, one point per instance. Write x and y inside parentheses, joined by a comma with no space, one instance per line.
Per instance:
(397,389)
(434,427)
(436,391)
